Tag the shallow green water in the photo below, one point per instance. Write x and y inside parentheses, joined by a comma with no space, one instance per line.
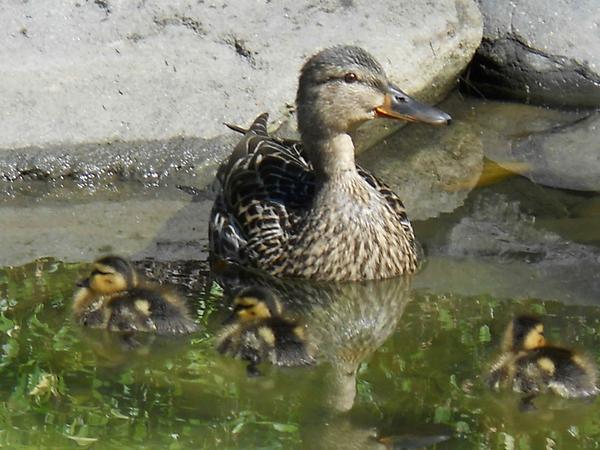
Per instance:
(394,360)
(63,388)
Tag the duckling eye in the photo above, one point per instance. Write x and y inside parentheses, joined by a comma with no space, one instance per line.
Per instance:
(350,77)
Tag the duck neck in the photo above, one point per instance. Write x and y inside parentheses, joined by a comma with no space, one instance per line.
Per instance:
(332,156)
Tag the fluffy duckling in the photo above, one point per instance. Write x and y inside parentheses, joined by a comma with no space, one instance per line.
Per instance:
(530,365)
(117,298)
(256,331)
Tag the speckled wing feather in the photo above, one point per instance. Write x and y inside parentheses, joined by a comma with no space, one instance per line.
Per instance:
(389,195)
(266,186)
(396,204)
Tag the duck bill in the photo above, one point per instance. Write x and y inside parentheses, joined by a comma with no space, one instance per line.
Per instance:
(400,106)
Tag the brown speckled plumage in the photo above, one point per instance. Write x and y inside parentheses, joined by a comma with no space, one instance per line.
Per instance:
(306,209)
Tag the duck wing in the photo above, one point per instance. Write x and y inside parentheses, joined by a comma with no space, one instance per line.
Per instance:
(390,196)
(265,187)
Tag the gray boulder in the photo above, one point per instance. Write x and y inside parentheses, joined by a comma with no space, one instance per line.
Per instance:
(541,52)
(566,157)
(496,248)
(75,73)
(554,147)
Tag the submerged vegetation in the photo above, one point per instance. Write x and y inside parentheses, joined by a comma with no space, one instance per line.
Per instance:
(64,387)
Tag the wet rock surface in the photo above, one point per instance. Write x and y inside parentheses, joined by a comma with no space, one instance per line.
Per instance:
(165,225)
(505,241)
(434,169)
(565,157)
(178,160)
(102,72)
(497,227)
(553,147)
(540,52)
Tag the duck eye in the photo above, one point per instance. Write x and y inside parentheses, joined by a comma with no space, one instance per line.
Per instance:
(401,99)
(350,77)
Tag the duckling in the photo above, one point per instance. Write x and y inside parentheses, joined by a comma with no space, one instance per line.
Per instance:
(117,298)
(256,331)
(530,365)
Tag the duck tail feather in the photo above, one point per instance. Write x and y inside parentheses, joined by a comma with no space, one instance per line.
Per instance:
(236,128)
(258,127)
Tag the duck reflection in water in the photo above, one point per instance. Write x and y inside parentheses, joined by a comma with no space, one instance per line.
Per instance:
(339,324)
(342,324)
(343,433)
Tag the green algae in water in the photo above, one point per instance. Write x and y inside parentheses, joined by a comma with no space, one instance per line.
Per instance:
(63,387)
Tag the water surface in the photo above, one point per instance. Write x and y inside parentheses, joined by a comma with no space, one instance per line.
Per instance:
(398,359)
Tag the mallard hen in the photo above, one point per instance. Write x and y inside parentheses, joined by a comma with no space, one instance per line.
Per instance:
(306,209)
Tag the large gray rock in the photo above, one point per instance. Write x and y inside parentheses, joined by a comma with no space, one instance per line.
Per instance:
(567,157)
(494,246)
(539,51)
(551,147)
(103,71)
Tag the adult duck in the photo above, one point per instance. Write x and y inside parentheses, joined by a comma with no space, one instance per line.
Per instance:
(305,209)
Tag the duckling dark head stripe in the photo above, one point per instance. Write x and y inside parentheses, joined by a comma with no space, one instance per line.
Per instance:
(121,266)
(261,294)
(522,325)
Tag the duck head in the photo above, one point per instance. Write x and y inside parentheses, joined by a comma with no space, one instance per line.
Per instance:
(254,303)
(524,333)
(344,86)
(109,275)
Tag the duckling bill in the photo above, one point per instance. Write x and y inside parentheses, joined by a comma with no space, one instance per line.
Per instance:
(257,332)
(530,365)
(306,209)
(117,298)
